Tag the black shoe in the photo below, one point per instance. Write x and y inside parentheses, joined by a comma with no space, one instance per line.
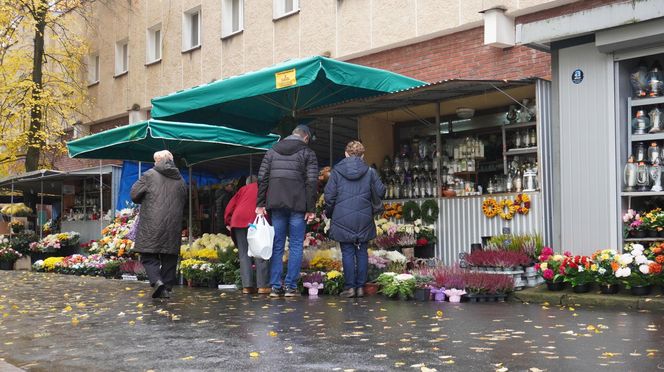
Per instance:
(277,292)
(165,294)
(348,293)
(292,292)
(359,292)
(159,288)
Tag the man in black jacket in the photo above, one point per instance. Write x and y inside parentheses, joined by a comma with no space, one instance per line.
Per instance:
(287,183)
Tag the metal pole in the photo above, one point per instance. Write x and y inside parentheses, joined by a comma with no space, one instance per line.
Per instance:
(101,200)
(11,215)
(41,185)
(190,210)
(331,141)
(140,165)
(439,146)
(251,164)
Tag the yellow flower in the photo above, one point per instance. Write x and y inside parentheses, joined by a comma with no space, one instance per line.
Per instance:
(558,257)
(333,274)
(544,266)
(593,267)
(51,262)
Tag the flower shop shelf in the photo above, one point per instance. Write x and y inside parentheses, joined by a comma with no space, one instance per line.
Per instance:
(644,239)
(529,150)
(642,193)
(530,124)
(647,101)
(647,137)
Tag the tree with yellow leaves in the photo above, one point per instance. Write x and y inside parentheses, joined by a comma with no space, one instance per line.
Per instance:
(42,85)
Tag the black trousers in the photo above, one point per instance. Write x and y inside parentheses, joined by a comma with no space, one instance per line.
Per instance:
(160,267)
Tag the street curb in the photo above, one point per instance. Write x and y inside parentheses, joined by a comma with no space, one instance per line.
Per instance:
(6,367)
(620,301)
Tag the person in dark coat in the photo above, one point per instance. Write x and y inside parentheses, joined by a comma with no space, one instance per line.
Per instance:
(239,214)
(161,192)
(287,183)
(222,198)
(349,194)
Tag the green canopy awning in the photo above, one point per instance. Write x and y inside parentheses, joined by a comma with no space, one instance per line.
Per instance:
(194,143)
(258,101)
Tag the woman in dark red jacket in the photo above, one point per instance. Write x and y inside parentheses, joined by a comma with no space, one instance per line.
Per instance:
(240,212)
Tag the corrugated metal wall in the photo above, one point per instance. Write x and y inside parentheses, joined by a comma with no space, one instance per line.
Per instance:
(461,223)
(545,141)
(587,186)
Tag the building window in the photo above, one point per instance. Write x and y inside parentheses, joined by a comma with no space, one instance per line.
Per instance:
(154,44)
(191,29)
(121,57)
(282,8)
(232,13)
(93,69)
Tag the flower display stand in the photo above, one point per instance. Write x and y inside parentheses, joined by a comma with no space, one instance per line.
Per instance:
(476,297)
(519,282)
(23,263)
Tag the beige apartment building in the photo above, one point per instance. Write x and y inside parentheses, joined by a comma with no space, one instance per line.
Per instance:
(143,49)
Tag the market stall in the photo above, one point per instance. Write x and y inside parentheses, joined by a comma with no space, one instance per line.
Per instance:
(479,149)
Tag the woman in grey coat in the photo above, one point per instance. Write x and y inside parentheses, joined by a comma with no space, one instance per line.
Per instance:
(161,192)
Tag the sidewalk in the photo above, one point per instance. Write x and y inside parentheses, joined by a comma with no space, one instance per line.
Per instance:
(6,367)
(620,301)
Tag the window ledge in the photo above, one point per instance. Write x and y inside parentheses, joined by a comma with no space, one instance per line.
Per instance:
(286,15)
(156,61)
(123,73)
(92,84)
(229,36)
(192,49)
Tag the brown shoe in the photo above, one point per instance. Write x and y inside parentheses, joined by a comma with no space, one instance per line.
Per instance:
(264,290)
(248,290)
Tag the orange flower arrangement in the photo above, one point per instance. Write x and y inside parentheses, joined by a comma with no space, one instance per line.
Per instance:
(490,208)
(523,202)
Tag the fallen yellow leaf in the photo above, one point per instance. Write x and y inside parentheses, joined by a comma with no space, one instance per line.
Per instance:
(67,308)
(74,321)
(253,354)
(439,313)
(272,334)
(187,358)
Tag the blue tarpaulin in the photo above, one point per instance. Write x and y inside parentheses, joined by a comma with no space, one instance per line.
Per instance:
(130,176)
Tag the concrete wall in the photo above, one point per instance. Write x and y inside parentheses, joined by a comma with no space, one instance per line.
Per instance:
(345,29)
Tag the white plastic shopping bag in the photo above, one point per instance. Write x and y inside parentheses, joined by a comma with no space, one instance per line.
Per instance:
(260,237)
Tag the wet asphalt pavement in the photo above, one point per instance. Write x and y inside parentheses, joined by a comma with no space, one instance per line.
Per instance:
(60,323)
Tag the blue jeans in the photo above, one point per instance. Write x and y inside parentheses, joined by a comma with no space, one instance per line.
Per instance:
(293,225)
(356,262)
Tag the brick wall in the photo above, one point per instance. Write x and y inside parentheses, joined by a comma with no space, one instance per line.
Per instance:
(461,56)
(65,163)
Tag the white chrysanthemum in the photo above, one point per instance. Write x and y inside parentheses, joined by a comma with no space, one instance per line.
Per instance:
(623,272)
(644,269)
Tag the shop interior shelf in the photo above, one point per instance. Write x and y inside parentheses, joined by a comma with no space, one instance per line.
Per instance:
(647,137)
(520,125)
(643,193)
(461,174)
(647,101)
(529,150)
(644,239)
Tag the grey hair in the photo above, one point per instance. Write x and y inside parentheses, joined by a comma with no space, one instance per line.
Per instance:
(251,179)
(162,155)
(299,132)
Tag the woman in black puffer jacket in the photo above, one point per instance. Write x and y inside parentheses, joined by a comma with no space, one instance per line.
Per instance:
(349,193)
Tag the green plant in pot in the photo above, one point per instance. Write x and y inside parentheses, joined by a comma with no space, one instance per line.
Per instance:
(400,285)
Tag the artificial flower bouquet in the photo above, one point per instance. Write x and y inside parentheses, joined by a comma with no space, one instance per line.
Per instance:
(16,226)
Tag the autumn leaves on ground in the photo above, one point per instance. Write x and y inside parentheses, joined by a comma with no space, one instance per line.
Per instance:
(58,322)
